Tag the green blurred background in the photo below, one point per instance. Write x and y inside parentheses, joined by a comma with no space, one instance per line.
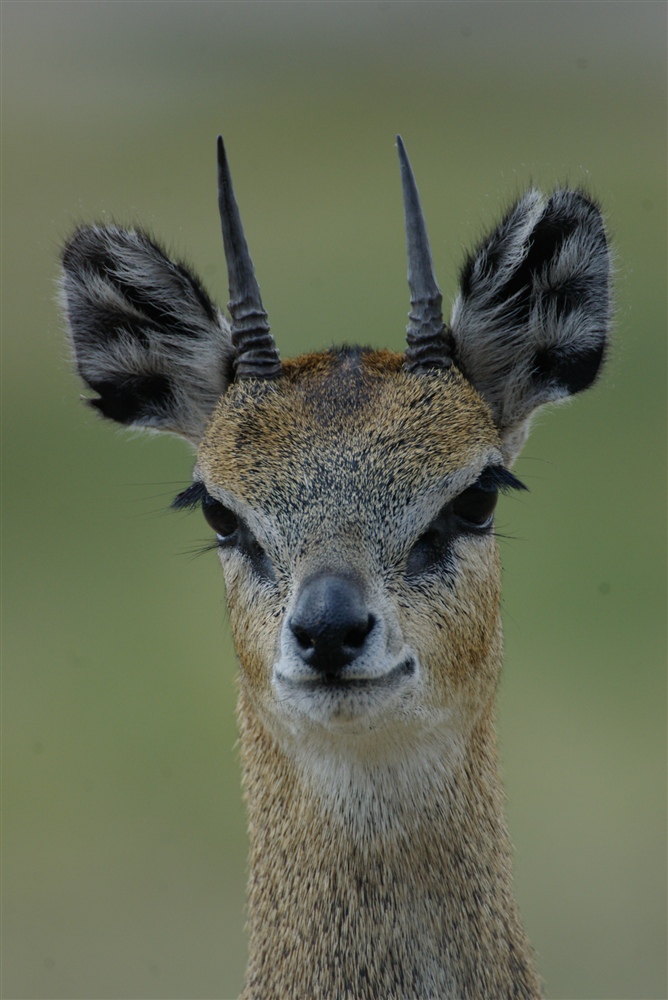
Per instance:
(124,841)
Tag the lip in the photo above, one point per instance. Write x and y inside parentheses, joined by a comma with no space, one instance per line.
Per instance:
(350,684)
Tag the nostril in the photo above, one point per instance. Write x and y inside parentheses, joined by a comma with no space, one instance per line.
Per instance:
(356,636)
(330,622)
(305,640)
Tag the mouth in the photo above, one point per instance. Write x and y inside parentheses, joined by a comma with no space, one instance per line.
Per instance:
(332,698)
(347,683)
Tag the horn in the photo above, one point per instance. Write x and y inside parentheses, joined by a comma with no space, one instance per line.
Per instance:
(429,343)
(256,355)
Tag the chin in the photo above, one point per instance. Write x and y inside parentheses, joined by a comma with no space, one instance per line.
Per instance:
(350,702)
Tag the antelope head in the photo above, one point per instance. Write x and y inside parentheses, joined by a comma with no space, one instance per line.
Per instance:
(351,492)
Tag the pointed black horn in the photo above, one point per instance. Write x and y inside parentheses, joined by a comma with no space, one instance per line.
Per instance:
(429,343)
(255,350)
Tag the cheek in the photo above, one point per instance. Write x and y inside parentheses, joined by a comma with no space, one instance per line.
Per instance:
(256,614)
(455,626)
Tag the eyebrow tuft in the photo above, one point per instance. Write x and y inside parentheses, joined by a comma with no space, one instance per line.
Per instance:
(497,477)
(190,498)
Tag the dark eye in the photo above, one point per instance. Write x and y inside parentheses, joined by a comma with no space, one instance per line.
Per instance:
(233,533)
(432,547)
(471,512)
(475,506)
(223,520)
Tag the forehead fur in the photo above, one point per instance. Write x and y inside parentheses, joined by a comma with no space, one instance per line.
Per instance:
(339,423)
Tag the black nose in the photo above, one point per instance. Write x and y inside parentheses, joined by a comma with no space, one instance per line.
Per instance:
(331,622)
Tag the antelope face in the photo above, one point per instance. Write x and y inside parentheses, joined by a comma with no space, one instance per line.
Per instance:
(353,506)
(352,492)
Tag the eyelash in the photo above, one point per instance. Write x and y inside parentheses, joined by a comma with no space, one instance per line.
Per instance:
(494,477)
(471,512)
(190,498)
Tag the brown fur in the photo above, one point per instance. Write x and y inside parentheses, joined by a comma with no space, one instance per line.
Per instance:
(380,863)
(415,903)
(382,870)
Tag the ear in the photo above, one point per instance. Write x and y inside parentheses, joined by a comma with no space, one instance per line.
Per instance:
(146,337)
(531,321)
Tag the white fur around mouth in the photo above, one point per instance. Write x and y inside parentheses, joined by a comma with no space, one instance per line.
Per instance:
(344,698)
(345,682)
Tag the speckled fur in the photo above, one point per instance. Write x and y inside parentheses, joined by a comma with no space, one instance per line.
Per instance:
(380,865)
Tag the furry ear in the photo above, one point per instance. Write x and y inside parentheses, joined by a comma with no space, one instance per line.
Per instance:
(147,338)
(531,321)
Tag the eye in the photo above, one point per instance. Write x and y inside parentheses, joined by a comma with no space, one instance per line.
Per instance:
(475,506)
(223,520)
(234,533)
(471,513)
(433,545)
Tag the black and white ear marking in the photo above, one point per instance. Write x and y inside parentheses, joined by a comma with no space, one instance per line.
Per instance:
(532,318)
(146,336)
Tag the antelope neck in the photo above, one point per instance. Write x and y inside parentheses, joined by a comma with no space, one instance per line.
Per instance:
(368,895)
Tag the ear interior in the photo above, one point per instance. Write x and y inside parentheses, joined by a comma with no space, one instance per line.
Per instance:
(532,318)
(146,336)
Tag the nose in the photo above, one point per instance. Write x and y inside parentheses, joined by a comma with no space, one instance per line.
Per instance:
(330,623)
